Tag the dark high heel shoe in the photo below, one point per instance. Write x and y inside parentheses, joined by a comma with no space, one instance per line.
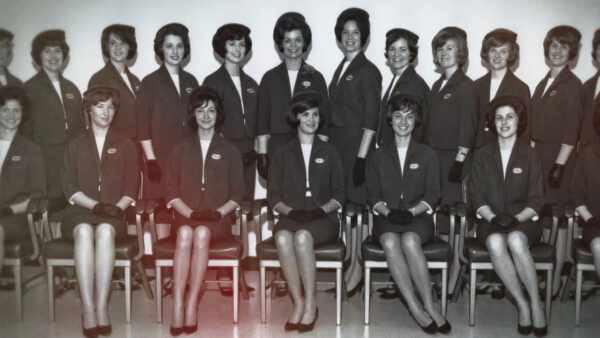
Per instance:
(446,328)
(429,329)
(190,329)
(524,330)
(540,331)
(356,289)
(91,332)
(105,330)
(289,326)
(176,331)
(308,327)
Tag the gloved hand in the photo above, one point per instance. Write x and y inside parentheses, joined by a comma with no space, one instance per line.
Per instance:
(400,216)
(206,215)
(555,175)
(154,172)
(6,211)
(505,221)
(455,173)
(358,173)
(317,213)
(262,165)
(100,208)
(300,215)
(248,158)
(113,211)
(592,222)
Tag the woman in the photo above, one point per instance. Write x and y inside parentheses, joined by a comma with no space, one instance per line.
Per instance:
(292,36)
(499,52)
(306,187)
(100,180)
(555,118)
(239,92)
(6,47)
(591,89)
(403,188)
(22,176)
(119,47)
(205,184)
(56,112)
(507,193)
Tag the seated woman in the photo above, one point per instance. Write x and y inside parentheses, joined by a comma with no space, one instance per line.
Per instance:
(306,187)
(205,184)
(100,180)
(403,187)
(507,192)
(22,174)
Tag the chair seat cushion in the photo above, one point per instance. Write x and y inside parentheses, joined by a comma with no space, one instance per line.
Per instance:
(63,249)
(435,251)
(19,249)
(333,251)
(222,249)
(541,252)
(583,255)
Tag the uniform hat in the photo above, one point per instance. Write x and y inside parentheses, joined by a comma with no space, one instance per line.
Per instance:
(564,30)
(502,34)
(118,27)
(412,37)
(456,31)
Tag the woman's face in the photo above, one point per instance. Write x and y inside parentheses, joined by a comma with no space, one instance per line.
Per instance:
(398,55)
(403,122)
(293,44)
(498,56)
(52,58)
(11,114)
(206,115)
(506,121)
(6,47)
(309,121)
(558,54)
(117,48)
(235,50)
(351,37)
(173,49)
(102,113)
(447,55)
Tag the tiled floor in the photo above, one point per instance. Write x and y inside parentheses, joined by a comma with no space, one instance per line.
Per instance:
(389,318)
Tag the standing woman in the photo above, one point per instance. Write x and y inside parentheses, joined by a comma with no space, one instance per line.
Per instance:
(239,93)
(591,89)
(293,37)
(507,192)
(205,184)
(56,112)
(499,52)
(6,48)
(555,118)
(401,50)
(162,105)
(100,179)
(305,187)
(403,188)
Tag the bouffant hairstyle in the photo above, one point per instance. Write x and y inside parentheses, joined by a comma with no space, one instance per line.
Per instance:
(200,98)
(405,102)
(445,35)
(97,94)
(302,102)
(497,38)
(124,33)
(5,35)
(360,16)
(288,22)
(231,31)
(54,37)
(507,100)
(564,35)
(18,94)
(171,29)
(398,33)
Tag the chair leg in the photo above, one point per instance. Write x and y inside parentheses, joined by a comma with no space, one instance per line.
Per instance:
(263,296)
(578,285)
(565,291)
(459,283)
(367,294)
(50,272)
(444,290)
(472,289)
(338,296)
(235,294)
(548,294)
(18,291)
(158,284)
(139,268)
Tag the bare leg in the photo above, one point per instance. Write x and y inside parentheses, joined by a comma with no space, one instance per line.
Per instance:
(84,267)
(561,254)
(284,240)
(392,246)
(307,266)
(105,263)
(199,264)
(181,267)
(595,248)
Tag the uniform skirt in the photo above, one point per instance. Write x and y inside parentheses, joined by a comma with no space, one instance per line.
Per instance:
(219,230)
(532,230)
(323,230)
(245,145)
(422,225)
(15,227)
(75,215)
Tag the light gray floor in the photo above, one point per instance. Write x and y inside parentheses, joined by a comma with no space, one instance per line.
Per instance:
(389,318)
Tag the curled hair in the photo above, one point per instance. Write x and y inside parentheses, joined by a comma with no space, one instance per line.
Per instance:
(563,35)
(5,35)
(288,22)
(92,96)
(397,34)
(404,102)
(595,43)
(200,98)
(358,15)
(18,94)
(517,105)
(171,29)
(495,41)
(442,37)
(231,31)
(52,38)
(124,33)
(302,102)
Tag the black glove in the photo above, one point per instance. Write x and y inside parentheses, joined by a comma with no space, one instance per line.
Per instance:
(592,222)
(358,173)
(262,165)
(6,211)
(300,215)
(248,158)
(555,175)
(113,211)
(153,171)
(317,213)
(206,215)
(455,173)
(100,208)
(400,216)
(505,221)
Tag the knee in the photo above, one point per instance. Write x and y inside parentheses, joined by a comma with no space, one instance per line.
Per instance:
(390,241)
(517,242)
(283,239)
(105,233)
(83,232)
(496,244)
(201,236)
(594,245)
(411,240)
(184,237)
(303,239)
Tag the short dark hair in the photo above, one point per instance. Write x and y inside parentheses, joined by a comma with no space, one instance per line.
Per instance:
(595,42)
(19,94)
(199,98)
(507,100)
(5,35)
(171,29)
(396,34)
(405,102)
(564,35)
(231,31)
(53,37)
(288,22)
(123,32)
(97,94)
(361,17)
(442,37)
(302,102)
(492,40)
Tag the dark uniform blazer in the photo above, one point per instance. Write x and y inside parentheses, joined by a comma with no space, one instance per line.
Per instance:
(556,115)
(223,173)
(585,182)
(12,80)
(162,111)
(105,179)
(522,187)
(588,134)
(409,82)
(356,97)
(125,121)
(450,121)
(22,174)
(274,97)
(238,123)
(510,85)
(53,121)
(287,175)
(403,189)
